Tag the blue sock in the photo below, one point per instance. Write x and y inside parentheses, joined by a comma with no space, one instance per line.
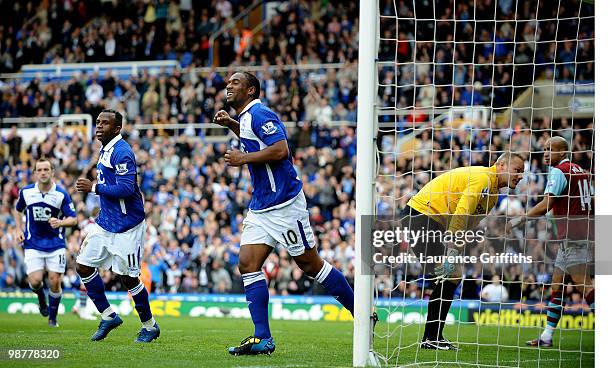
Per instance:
(141,302)
(40,293)
(54,302)
(257,296)
(95,291)
(335,283)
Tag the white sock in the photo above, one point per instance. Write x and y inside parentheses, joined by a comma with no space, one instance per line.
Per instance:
(55,295)
(106,315)
(324,272)
(547,334)
(150,324)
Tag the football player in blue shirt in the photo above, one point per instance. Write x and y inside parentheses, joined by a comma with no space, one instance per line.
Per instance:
(48,210)
(117,238)
(277,212)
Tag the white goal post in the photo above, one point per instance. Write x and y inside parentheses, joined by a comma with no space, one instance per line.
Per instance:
(365,173)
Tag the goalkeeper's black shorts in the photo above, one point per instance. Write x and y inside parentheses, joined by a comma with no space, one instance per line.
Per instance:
(425,246)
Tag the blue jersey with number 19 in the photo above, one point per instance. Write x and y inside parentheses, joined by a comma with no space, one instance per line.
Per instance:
(121,205)
(275,184)
(39,208)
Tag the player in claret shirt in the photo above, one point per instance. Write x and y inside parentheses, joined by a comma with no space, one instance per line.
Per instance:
(277,212)
(48,210)
(116,240)
(568,195)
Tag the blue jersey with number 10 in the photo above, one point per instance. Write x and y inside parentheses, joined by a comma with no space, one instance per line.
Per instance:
(275,184)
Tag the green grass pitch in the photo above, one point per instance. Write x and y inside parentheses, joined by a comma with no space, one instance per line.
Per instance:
(203,342)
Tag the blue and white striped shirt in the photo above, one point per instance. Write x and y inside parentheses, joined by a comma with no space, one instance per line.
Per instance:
(39,208)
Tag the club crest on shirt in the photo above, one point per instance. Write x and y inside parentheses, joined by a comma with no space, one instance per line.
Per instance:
(269,128)
(121,169)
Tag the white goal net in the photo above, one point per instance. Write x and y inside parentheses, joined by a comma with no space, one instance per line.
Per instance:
(458,83)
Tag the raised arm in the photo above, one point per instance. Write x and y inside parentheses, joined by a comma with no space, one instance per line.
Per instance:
(269,130)
(223,118)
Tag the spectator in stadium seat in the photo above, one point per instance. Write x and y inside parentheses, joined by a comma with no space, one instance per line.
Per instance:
(494,291)
(94,93)
(300,283)
(7,280)
(14,142)
(220,278)
(150,102)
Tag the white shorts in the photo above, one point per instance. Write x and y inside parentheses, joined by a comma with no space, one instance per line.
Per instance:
(36,260)
(288,226)
(573,254)
(121,251)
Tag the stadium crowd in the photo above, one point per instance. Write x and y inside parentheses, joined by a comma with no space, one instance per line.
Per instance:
(195,204)
(452,61)
(43,32)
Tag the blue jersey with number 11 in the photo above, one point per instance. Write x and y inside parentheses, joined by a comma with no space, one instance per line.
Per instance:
(275,184)
(121,205)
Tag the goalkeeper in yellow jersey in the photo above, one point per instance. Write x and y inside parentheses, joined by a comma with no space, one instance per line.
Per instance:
(454,201)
